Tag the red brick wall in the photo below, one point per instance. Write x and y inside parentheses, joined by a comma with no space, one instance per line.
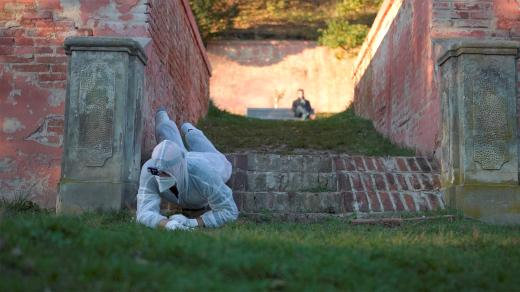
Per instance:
(477,19)
(396,90)
(395,75)
(178,63)
(33,77)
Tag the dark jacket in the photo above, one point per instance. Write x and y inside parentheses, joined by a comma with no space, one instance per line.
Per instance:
(303,103)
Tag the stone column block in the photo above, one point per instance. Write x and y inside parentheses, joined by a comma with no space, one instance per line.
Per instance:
(479,151)
(103,124)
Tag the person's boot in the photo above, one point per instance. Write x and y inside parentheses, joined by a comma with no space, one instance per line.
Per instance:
(162,124)
(161,115)
(186,127)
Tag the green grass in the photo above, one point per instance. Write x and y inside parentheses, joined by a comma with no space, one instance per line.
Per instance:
(39,251)
(342,133)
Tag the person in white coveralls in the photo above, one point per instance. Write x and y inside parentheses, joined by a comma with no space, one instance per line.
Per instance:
(192,177)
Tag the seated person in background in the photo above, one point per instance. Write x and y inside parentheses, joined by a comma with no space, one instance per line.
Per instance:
(302,107)
(195,180)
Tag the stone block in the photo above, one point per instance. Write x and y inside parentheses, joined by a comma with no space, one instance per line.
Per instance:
(311,163)
(496,205)
(103,124)
(256,181)
(257,202)
(302,202)
(266,162)
(291,163)
(339,163)
(332,203)
(328,181)
(348,201)
(343,182)
(310,181)
(239,181)
(241,161)
(238,197)
(280,202)
(479,147)
(276,181)
(294,182)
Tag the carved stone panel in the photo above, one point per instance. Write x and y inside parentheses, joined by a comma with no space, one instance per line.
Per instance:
(481,137)
(96,113)
(103,131)
(490,122)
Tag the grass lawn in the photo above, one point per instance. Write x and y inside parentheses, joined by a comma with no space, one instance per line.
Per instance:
(344,133)
(41,251)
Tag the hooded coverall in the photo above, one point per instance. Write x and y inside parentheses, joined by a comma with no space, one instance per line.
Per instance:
(200,176)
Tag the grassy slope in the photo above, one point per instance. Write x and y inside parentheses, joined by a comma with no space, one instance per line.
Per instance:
(111,252)
(344,133)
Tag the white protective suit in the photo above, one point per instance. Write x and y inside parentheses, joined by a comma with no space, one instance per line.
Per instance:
(200,176)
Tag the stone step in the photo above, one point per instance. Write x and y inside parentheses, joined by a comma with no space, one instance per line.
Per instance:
(326,162)
(330,173)
(334,184)
(338,202)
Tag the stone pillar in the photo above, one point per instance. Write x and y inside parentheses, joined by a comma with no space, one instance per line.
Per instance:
(479,151)
(103,124)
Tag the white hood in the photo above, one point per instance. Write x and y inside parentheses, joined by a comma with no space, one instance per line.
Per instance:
(170,158)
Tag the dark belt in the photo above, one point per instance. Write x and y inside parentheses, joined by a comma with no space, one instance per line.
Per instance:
(195,210)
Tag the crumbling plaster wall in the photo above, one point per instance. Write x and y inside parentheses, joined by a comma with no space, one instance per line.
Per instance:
(33,73)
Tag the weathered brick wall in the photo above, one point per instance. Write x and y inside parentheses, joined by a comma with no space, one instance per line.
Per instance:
(396,79)
(478,19)
(33,77)
(179,66)
(250,74)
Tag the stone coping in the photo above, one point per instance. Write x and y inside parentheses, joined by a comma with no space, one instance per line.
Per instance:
(484,47)
(111,44)
(196,34)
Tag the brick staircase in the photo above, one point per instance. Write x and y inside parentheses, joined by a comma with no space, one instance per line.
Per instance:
(325,184)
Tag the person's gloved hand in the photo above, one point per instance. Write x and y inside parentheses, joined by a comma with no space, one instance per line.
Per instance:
(185,221)
(174,225)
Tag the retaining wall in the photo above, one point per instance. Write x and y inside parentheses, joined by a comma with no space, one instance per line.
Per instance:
(252,73)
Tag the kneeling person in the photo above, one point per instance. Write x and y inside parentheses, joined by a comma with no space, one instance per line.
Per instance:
(192,179)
